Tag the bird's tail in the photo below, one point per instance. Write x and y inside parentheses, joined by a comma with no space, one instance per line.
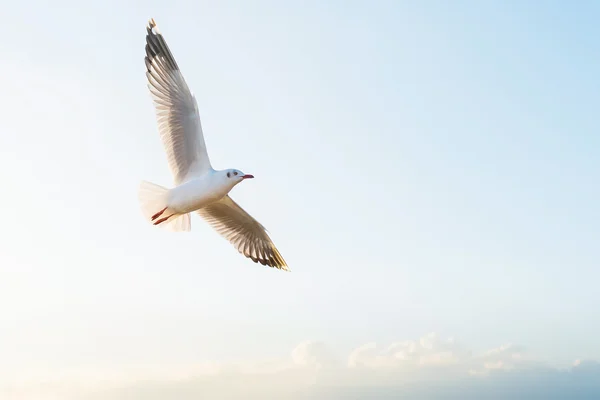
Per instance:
(153,202)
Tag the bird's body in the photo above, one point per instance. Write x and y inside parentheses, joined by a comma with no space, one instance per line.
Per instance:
(198,193)
(198,187)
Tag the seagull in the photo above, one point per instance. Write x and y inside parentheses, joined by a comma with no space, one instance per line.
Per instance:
(198,187)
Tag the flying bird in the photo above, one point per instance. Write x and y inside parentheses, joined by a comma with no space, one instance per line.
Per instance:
(198,187)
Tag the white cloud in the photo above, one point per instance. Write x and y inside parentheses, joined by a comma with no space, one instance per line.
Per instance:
(430,367)
(429,350)
(587,367)
(313,354)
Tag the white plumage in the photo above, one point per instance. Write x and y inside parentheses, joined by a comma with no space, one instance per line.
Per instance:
(199,188)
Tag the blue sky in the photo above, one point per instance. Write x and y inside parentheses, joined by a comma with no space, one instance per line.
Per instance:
(422,168)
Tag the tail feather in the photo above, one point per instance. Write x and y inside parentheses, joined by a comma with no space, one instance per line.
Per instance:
(153,202)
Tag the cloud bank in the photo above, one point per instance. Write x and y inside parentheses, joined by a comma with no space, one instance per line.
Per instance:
(427,368)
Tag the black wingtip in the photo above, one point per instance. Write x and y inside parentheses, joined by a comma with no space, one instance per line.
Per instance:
(157,46)
(271,259)
(151,24)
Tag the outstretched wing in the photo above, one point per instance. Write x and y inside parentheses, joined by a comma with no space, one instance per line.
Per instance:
(246,234)
(176,110)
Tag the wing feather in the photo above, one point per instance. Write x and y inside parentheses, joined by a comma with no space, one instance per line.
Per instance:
(176,109)
(245,233)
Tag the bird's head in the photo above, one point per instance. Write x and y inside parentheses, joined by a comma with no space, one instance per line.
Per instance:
(234,176)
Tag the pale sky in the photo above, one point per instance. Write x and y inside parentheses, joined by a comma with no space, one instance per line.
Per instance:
(422,167)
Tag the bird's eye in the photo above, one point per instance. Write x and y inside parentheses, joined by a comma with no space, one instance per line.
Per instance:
(235,173)
(229,174)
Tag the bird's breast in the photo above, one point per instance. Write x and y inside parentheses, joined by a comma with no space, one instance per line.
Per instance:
(195,194)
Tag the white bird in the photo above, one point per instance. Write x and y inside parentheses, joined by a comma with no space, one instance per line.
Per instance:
(198,187)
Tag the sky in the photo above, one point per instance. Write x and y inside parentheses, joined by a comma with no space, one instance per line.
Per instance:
(428,170)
